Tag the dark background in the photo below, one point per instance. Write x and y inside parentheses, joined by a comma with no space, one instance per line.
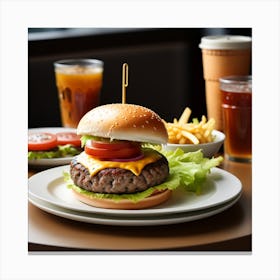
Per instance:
(165,67)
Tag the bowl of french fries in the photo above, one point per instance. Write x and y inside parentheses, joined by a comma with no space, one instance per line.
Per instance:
(194,135)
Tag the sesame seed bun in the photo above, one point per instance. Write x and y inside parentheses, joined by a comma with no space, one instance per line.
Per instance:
(124,122)
(125,204)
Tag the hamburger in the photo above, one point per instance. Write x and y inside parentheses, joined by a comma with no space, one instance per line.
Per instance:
(115,170)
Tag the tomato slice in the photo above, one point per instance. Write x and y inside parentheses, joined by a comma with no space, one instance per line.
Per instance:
(72,138)
(41,141)
(111,150)
(112,145)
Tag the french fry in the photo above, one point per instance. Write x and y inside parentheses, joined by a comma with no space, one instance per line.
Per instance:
(190,136)
(185,116)
(183,132)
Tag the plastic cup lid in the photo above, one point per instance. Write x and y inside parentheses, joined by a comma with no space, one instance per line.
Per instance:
(225,42)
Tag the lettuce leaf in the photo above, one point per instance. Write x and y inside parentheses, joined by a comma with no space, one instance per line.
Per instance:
(85,138)
(69,150)
(192,168)
(187,170)
(42,154)
(61,151)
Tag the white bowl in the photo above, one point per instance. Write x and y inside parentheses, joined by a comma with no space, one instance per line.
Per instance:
(208,149)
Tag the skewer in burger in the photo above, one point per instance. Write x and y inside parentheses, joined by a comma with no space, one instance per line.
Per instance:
(115,171)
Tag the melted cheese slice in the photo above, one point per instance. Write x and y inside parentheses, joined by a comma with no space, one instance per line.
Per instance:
(95,165)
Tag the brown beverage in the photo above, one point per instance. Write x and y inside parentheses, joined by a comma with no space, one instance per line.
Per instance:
(79,84)
(236,100)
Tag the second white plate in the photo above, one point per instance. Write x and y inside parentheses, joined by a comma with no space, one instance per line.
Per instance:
(51,162)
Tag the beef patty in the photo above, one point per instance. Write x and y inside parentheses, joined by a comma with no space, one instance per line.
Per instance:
(118,180)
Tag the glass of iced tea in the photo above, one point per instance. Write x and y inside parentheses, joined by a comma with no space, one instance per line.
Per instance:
(236,100)
(79,83)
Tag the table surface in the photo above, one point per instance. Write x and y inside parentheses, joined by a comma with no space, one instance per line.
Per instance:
(230,230)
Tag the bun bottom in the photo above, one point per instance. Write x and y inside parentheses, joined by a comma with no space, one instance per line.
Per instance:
(125,204)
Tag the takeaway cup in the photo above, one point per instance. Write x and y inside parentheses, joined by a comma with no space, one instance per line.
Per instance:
(223,56)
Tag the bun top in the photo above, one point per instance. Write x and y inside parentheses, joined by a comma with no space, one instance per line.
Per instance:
(124,122)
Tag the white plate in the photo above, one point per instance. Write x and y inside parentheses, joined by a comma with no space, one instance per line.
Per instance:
(130,221)
(51,161)
(220,187)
